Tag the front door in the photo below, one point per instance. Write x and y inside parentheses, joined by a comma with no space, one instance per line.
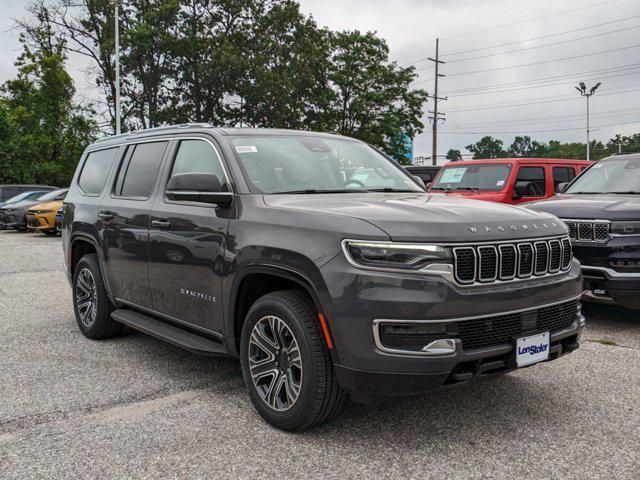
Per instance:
(187,243)
(123,222)
(536,176)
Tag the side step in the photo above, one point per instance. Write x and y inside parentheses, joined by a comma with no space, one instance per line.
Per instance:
(164,331)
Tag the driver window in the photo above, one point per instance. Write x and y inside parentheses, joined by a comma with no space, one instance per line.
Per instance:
(534,175)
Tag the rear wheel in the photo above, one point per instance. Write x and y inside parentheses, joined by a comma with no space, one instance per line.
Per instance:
(285,363)
(91,303)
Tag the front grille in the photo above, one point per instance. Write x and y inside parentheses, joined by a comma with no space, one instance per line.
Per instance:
(486,263)
(588,230)
(501,329)
(33,222)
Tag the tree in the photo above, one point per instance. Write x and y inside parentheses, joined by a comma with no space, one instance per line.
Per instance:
(526,148)
(487,147)
(372,98)
(454,155)
(43,131)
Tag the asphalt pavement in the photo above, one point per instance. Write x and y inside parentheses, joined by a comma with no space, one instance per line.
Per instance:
(135,407)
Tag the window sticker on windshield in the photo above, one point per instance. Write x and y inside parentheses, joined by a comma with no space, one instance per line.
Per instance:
(246,149)
(499,183)
(452,175)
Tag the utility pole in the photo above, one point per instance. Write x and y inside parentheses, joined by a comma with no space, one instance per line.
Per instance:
(435,118)
(117,47)
(584,93)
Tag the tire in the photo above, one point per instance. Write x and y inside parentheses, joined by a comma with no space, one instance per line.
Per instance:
(91,303)
(309,372)
(50,233)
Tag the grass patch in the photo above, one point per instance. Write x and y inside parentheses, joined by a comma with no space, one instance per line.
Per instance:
(607,341)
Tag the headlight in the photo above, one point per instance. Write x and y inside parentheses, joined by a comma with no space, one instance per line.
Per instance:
(625,228)
(391,255)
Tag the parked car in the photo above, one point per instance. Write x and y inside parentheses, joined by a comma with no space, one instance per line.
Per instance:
(426,172)
(28,195)
(323,284)
(506,180)
(602,210)
(42,217)
(59,219)
(14,215)
(8,191)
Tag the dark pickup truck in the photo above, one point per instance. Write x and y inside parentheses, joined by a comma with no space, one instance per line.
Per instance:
(316,260)
(602,210)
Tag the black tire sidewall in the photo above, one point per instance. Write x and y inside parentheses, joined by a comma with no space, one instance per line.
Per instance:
(297,415)
(103,320)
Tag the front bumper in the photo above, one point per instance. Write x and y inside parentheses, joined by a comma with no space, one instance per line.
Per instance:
(359,298)
(41,221)
(12,219)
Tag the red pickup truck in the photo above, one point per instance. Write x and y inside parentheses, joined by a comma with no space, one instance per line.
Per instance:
(506,180)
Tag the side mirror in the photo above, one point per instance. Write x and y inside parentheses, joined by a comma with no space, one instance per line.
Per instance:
(198,187)
(521,189)
(561,187)
(420,181)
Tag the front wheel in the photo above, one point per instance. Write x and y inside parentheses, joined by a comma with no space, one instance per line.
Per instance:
(285,363)
(51,232)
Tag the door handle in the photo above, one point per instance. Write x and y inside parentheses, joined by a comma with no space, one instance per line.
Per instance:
(160,223)
(105,216)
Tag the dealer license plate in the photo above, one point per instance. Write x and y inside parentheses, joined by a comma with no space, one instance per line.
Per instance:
(532,349)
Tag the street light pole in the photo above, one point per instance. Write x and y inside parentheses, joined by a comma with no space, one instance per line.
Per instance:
(583,91)
(117,47)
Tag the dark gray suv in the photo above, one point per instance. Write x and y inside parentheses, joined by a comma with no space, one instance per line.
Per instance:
(317,261)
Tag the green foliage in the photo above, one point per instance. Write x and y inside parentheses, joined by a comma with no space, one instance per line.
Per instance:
(487,147)
(42,133)
(524,147)
(454,155)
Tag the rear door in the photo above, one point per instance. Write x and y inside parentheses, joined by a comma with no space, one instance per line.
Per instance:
(187,241)
(123,221)
(563,174)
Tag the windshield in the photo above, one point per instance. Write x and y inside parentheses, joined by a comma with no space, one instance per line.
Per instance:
(486,176)
(613,175)
(24,196)
(52,195)
(311,164)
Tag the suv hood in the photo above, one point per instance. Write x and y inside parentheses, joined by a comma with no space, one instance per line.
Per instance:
(591,206)
(47,206)
(419,217)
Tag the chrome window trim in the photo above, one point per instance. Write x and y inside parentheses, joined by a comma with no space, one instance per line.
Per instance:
(379,321)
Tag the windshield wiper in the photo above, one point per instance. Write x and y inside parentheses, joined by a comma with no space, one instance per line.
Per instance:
(314,190)
(389,189)
(473,189)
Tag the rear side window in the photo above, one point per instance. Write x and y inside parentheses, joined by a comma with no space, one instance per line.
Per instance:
(198,156)
(139,170)
(563,175)
(95,171)
(535,175)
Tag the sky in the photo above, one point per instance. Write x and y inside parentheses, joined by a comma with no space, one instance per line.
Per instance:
(590,40)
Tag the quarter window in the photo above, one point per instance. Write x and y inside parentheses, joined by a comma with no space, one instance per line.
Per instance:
(198,156)
(139,170)
(563,175)
(95,171)
(535,175)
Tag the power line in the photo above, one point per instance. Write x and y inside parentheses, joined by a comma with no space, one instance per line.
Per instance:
(545,45)
(538,131)
(614,69)
(542,37)
(550,100)
(529,20)
(544,61)
(507,25)
(527,87)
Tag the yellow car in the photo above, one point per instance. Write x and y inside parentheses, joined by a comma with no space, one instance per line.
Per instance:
(42,217)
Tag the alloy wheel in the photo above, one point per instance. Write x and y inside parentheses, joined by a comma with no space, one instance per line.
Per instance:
(86,297)
(275,363)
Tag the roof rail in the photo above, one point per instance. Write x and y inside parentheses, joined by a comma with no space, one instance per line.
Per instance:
(156,129)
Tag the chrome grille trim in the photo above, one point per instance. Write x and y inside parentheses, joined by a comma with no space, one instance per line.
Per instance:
(541,257)
(587,230)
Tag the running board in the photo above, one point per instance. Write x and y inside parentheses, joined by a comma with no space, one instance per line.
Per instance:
(164,331)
